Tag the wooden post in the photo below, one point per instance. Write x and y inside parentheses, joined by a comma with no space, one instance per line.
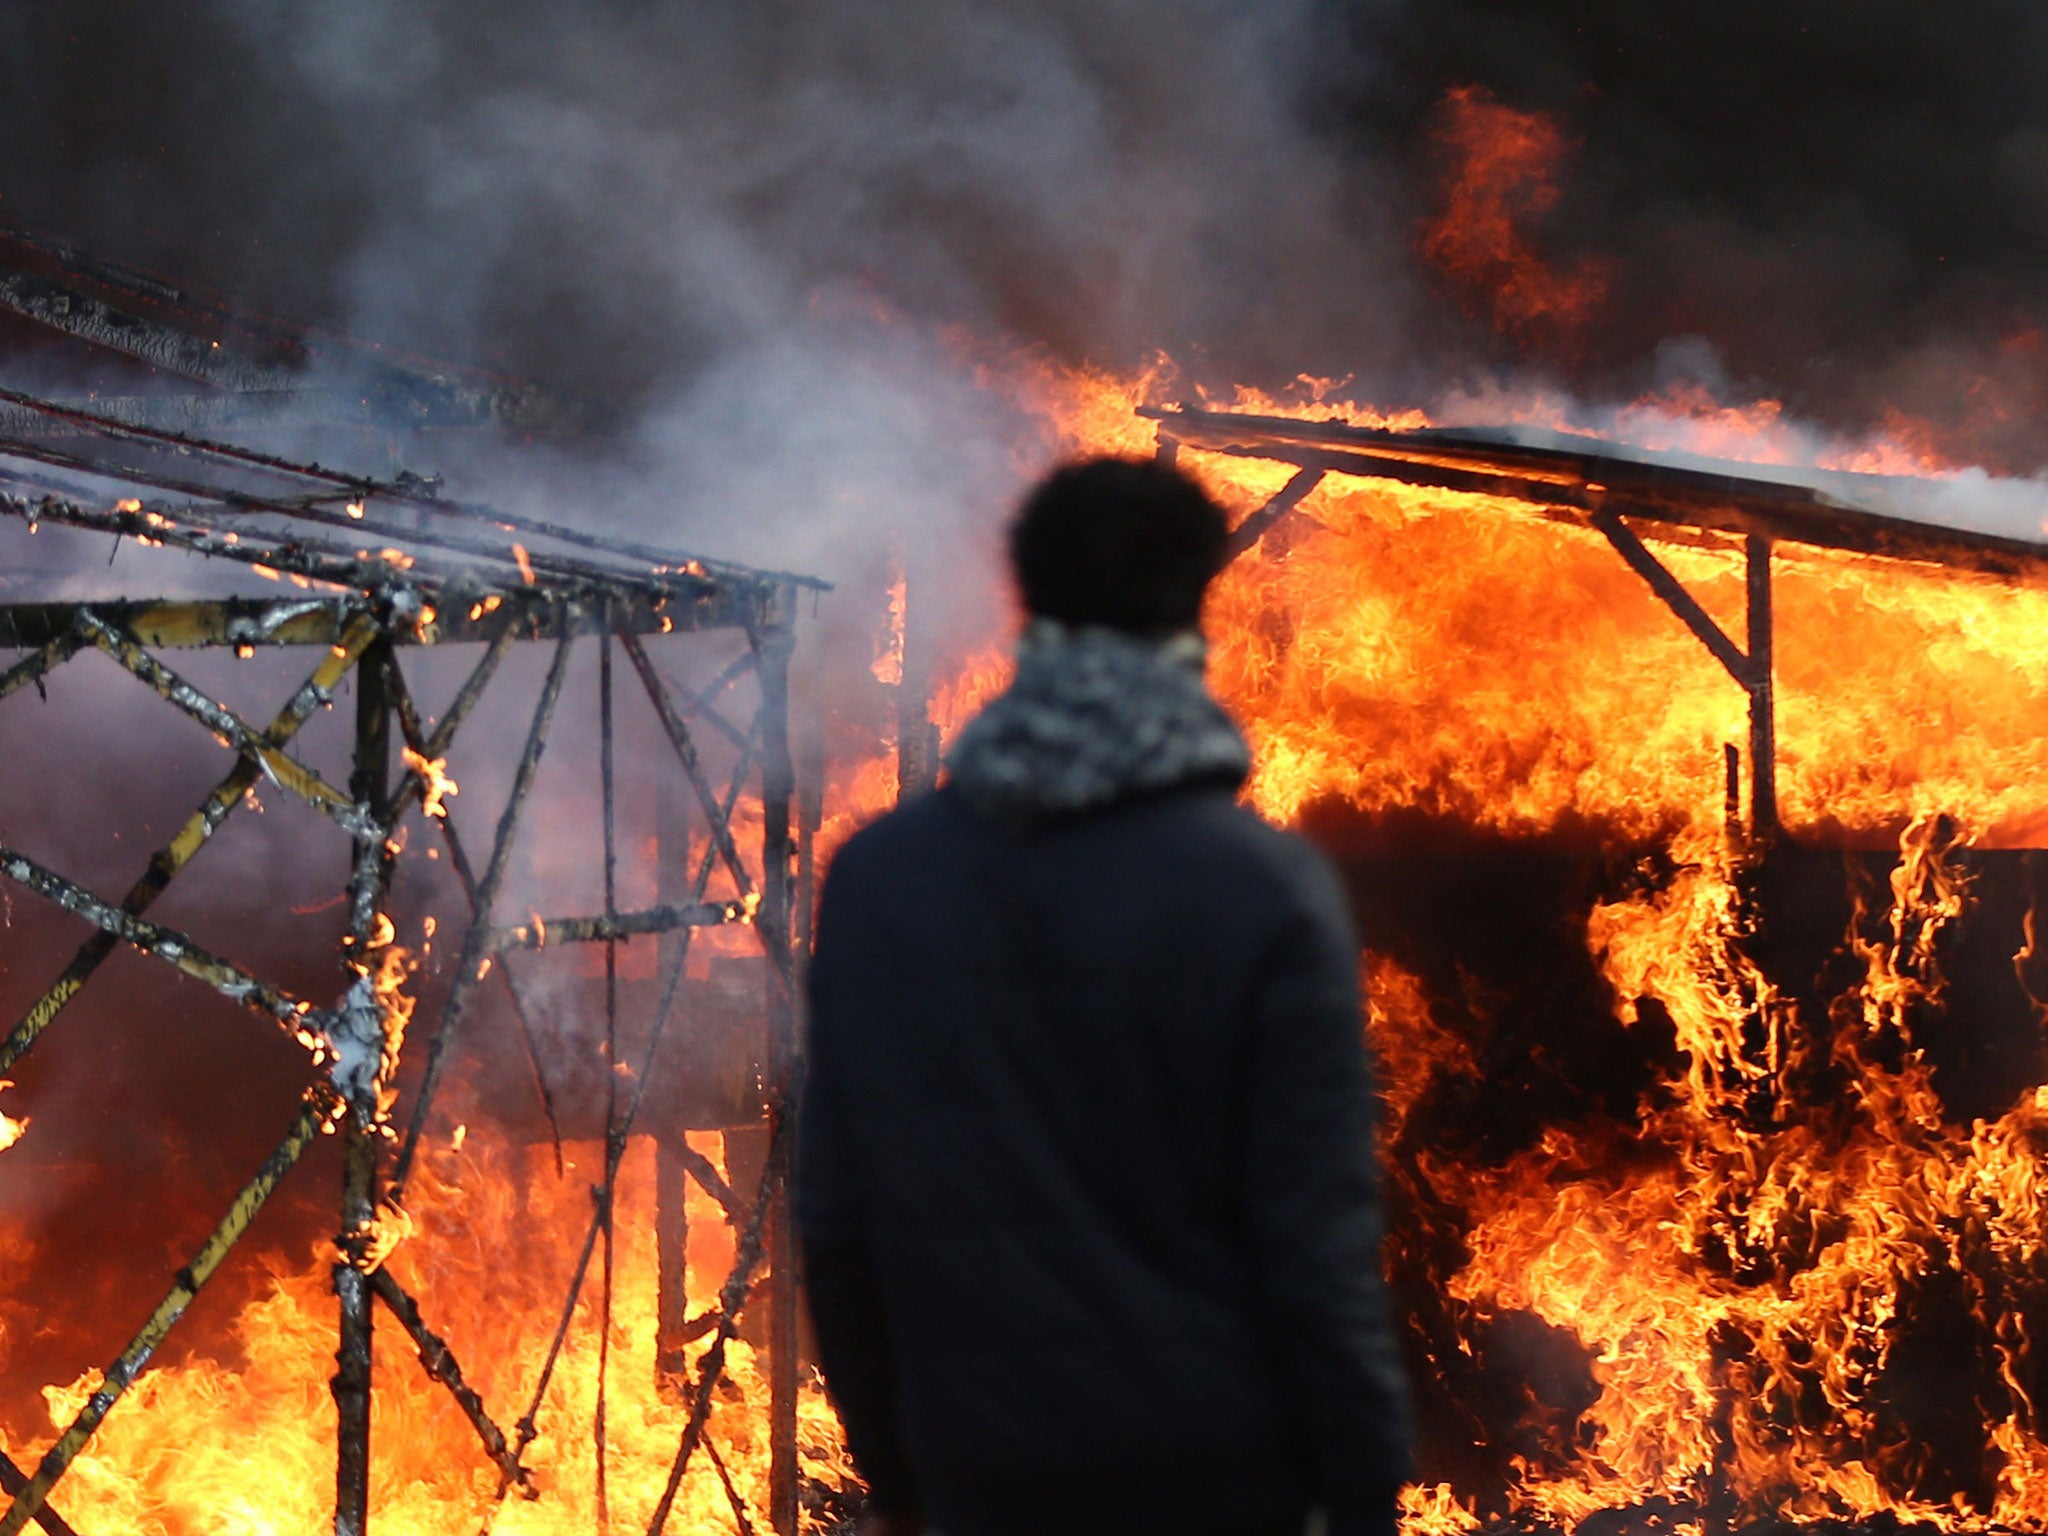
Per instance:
(369,787)
(917,739)
(1763,730)
(672,887)
(778,869)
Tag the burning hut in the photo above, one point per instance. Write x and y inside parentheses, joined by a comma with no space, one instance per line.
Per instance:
(322,585)
(1691,813)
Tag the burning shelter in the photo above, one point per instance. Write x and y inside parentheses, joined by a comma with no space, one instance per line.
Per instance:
(248,570)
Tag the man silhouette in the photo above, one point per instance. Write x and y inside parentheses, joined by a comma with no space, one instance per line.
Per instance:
(1085,1181)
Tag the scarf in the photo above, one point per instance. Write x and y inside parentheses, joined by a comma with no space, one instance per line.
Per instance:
(1095,716)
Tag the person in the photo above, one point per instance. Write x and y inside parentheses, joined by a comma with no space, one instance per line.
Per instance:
(1085,1181)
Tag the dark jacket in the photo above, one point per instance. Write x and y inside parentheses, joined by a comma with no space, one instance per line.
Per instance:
(1086,1184)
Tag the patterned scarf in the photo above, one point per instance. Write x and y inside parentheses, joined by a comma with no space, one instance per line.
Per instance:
(1095,716)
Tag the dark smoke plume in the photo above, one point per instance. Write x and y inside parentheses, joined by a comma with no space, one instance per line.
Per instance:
(1847,205)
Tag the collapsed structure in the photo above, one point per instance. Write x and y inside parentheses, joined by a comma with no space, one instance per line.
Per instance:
(363,573)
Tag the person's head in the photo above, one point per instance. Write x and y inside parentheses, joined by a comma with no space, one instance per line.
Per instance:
(1128,544)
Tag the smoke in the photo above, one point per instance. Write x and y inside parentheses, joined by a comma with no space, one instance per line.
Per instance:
(1849,204)
(639,203)
(610,197)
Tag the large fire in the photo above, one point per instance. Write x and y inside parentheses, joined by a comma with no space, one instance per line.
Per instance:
(1779,1273)
(1715,1281)
(1776,1273)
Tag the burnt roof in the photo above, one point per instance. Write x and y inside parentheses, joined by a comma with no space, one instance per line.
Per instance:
(1573,478)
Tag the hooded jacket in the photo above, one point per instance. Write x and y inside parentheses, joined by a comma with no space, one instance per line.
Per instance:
(1085,1178)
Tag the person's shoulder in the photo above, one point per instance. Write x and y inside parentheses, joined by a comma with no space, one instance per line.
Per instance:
(1217,828)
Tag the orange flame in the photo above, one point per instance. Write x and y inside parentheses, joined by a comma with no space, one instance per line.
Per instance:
(1502,183)
(438,786)
(11,1128)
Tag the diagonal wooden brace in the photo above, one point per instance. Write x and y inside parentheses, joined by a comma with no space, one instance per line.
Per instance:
(13,1480)
(1261,522)
(33,667)
(132,1360)
(475,959)
(302,1021)
(232,730)
(1681,602)
(439,1362)
(678,733)
(168,861)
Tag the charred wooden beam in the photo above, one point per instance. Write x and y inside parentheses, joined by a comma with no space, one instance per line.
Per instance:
(1573,484)
(366,1015)
(705,1172)
(738,1505)
(432,747)
(700,705)
(772,646)
(131,1362)
(183,529)
(1763,729)
(645,605)
(185,311)
(615,1145)
(169,860)
(607,1202)
(732,1296)
(476,955)
(678,734)
(13,1480)
(461,618)
(71,310)
(50,654)
(688,578)
(1283,501)
(440,1364)
(385,396)
(542,932)
(1680,601)
(231,621)
(178,411)
(408,490)
(302,1021)
(277,765)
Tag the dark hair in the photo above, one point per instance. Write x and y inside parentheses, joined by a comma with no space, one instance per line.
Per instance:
(1126,543)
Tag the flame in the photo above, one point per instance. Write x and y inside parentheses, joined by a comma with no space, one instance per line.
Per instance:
(1719,1268)
(1502,182)
(437,785)
(1731,1286)
(12,1129)
(887,666)
(178,1453)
